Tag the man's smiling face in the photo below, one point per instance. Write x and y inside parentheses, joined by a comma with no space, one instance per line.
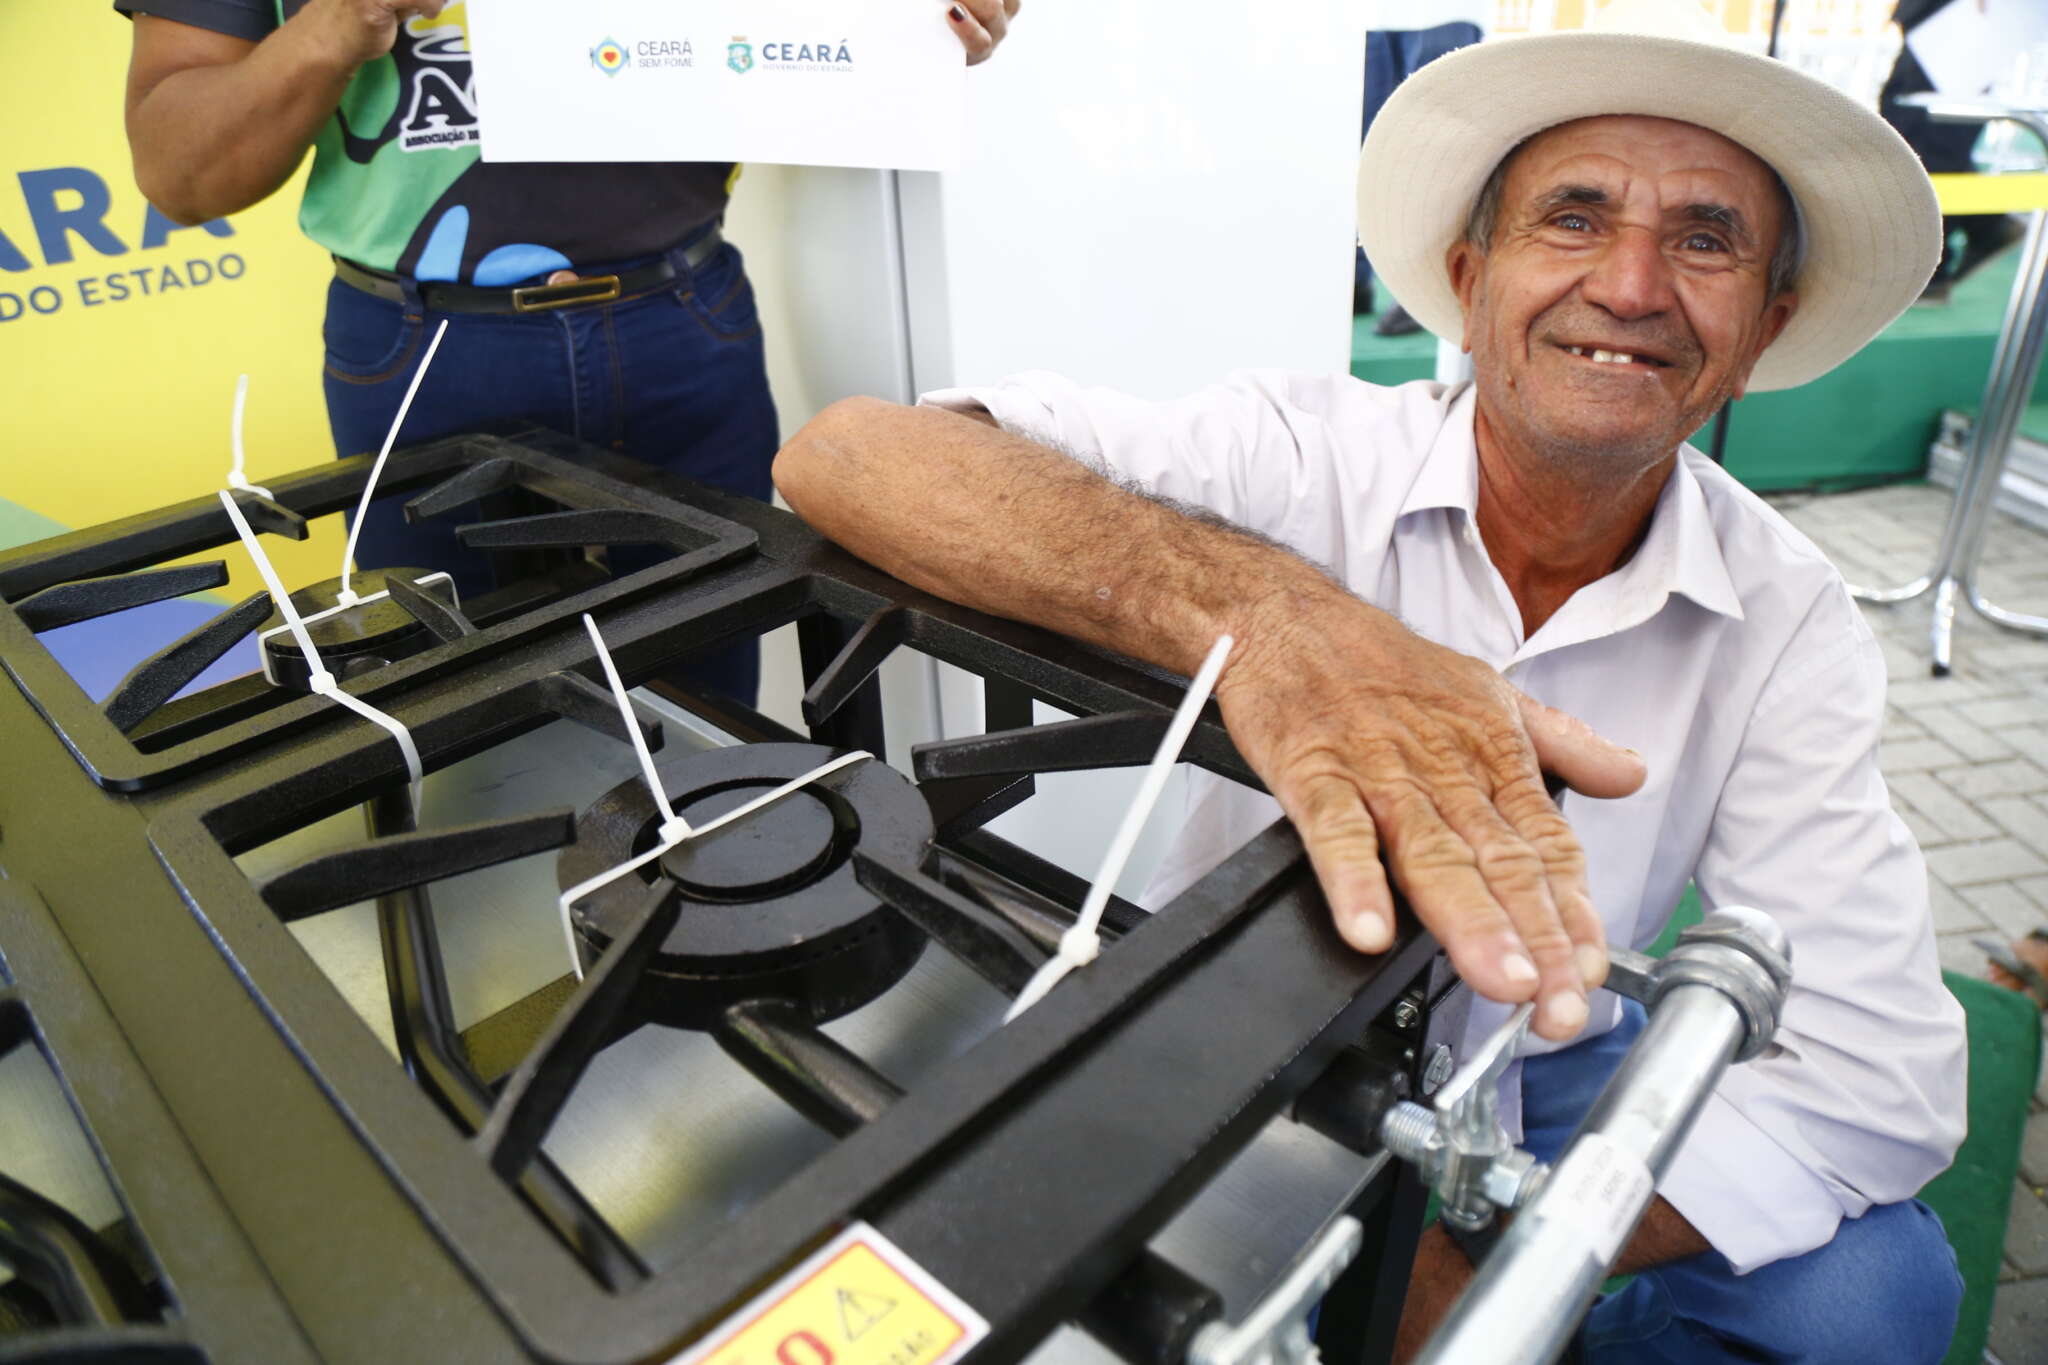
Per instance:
(1624,294)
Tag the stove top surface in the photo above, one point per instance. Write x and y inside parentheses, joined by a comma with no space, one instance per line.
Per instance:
(350,1097)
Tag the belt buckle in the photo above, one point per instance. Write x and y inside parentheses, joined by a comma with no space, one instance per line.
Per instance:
(539,298)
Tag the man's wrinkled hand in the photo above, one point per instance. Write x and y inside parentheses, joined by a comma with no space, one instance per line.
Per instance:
(980,24)
(364,30)
(1373,739)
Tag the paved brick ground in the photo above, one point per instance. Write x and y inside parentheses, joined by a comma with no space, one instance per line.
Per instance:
(1967,760)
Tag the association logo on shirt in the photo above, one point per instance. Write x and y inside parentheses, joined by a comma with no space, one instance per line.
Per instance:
(434,69)
(610,57)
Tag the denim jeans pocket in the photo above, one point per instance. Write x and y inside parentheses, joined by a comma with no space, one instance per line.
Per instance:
(369,340)
(721,298)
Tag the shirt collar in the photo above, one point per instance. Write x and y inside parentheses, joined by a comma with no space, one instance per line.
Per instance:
(1681,553)
(1690,548)
(1449,476)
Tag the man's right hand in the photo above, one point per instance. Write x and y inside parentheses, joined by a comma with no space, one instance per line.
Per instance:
(1372,738)
(364,30)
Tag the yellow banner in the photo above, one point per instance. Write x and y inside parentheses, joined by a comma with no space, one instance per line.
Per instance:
(120,333)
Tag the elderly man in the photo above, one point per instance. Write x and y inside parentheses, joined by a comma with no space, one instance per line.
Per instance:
(1627,228)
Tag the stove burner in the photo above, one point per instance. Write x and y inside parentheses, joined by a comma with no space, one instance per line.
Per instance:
(773,910)
(355,639)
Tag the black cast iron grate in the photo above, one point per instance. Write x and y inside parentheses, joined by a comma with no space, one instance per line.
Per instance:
(549,514)
(439,1202)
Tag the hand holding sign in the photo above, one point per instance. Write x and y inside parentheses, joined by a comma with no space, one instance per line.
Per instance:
(361,31)
(981,24)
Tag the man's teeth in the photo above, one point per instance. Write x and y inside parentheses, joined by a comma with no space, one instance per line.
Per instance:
(1604,357)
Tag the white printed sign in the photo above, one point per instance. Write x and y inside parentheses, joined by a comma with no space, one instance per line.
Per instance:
(808,82)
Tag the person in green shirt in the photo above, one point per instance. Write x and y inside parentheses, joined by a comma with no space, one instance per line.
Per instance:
(597,299)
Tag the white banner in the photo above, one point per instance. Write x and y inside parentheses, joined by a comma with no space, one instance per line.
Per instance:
(875,83)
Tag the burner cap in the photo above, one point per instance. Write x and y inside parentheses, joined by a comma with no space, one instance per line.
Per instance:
(774,911)
(779,848)
(355,639)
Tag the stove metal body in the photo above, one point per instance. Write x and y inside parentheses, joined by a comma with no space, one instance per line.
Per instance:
(288,1193)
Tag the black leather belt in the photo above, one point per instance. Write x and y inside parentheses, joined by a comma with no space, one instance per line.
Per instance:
(533,298)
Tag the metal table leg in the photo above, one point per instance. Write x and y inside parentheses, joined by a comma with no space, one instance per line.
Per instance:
(2014,364)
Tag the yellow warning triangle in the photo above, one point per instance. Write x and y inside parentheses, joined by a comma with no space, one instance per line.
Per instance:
(858,1311)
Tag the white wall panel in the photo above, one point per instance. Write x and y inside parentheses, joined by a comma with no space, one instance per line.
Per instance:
(1155,194)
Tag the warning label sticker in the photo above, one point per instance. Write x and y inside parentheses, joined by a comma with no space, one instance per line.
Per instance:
(857,1301)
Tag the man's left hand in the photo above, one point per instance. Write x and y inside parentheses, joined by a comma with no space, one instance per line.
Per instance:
(980,24)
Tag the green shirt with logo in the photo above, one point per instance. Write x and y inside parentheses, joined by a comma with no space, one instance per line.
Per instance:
(398,184)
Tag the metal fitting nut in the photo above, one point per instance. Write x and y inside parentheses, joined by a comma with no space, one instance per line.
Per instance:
(1751,931)
(1743,954)
(1442,1062)
(1512,1179)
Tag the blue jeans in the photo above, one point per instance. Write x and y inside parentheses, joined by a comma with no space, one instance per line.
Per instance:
(1885,1289)
(673,377)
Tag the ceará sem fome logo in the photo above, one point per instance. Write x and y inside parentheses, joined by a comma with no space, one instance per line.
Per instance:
(610,57)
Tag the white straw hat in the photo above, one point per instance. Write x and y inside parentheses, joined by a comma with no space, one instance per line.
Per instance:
(1873,229)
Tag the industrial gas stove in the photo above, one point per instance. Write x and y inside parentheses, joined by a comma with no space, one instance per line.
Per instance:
(301,1066)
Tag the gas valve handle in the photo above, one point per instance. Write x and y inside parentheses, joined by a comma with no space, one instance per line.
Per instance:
(1460,1147)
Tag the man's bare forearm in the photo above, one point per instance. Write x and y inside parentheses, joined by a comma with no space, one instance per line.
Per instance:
(1664,1235)
(211,140)
(1001,523)
(1365,733)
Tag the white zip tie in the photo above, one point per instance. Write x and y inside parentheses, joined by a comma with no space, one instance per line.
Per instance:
(1080,944)
(346,597)
(604,879)
(277,593)
(322,683)
(236,478)
(671,823)
(390,723)
(674,829)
